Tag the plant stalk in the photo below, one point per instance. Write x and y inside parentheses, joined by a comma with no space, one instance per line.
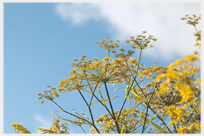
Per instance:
(116,123)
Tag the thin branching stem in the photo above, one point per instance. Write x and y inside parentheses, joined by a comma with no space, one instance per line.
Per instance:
(103,105)
(82,129)
(90,112)
(160,119)
(91,88)
(195,28)
(93,93)
(136,81)
(131,84)
(116,123)
(140,88)
(147,111)
(159,116)
(70,113)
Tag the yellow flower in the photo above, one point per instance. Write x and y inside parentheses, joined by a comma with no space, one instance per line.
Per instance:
(41,101)
(72,72)
(198,80)
(20,128)
(198,38)
(106,59)
(127,41)
(53,92)
(179,61)
(132,61)
(195,52)
(191,58)
(164,87)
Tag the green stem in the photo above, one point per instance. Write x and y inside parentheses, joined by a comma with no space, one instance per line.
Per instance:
(160,119)
(70,113)
(116,123)
(131,84)
(139,87)
(89,111)
(147,111)
(103,105)
(159,116)
(83,129)
(93,93)
(196,29)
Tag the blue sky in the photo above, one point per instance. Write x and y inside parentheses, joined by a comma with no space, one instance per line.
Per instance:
(41,41)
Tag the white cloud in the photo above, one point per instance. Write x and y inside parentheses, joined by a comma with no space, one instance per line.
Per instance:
(127,19)
(77,13)
(45,123)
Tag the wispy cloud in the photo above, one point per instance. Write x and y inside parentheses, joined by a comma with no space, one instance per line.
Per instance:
(45,123)
(77,13)
(128,19)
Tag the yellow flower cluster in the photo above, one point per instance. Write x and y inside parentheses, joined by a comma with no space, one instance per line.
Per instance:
(170,92)
(179,88)
(142,41)
(192,20)
(20,128)
(106,59)
(107,70)
(152,72)
(108,45)
(132,121)
(55,129)
(182,80)
(116,71)
(48,94)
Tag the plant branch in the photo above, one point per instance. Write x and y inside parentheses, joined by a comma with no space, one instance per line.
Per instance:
(160,119)
(70,113)
(116,123)
(139,87)
(82,129)
(158,115)
(103,105)
(147,111)
(89,111)
(131,84)
(91,88)
(93,93)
